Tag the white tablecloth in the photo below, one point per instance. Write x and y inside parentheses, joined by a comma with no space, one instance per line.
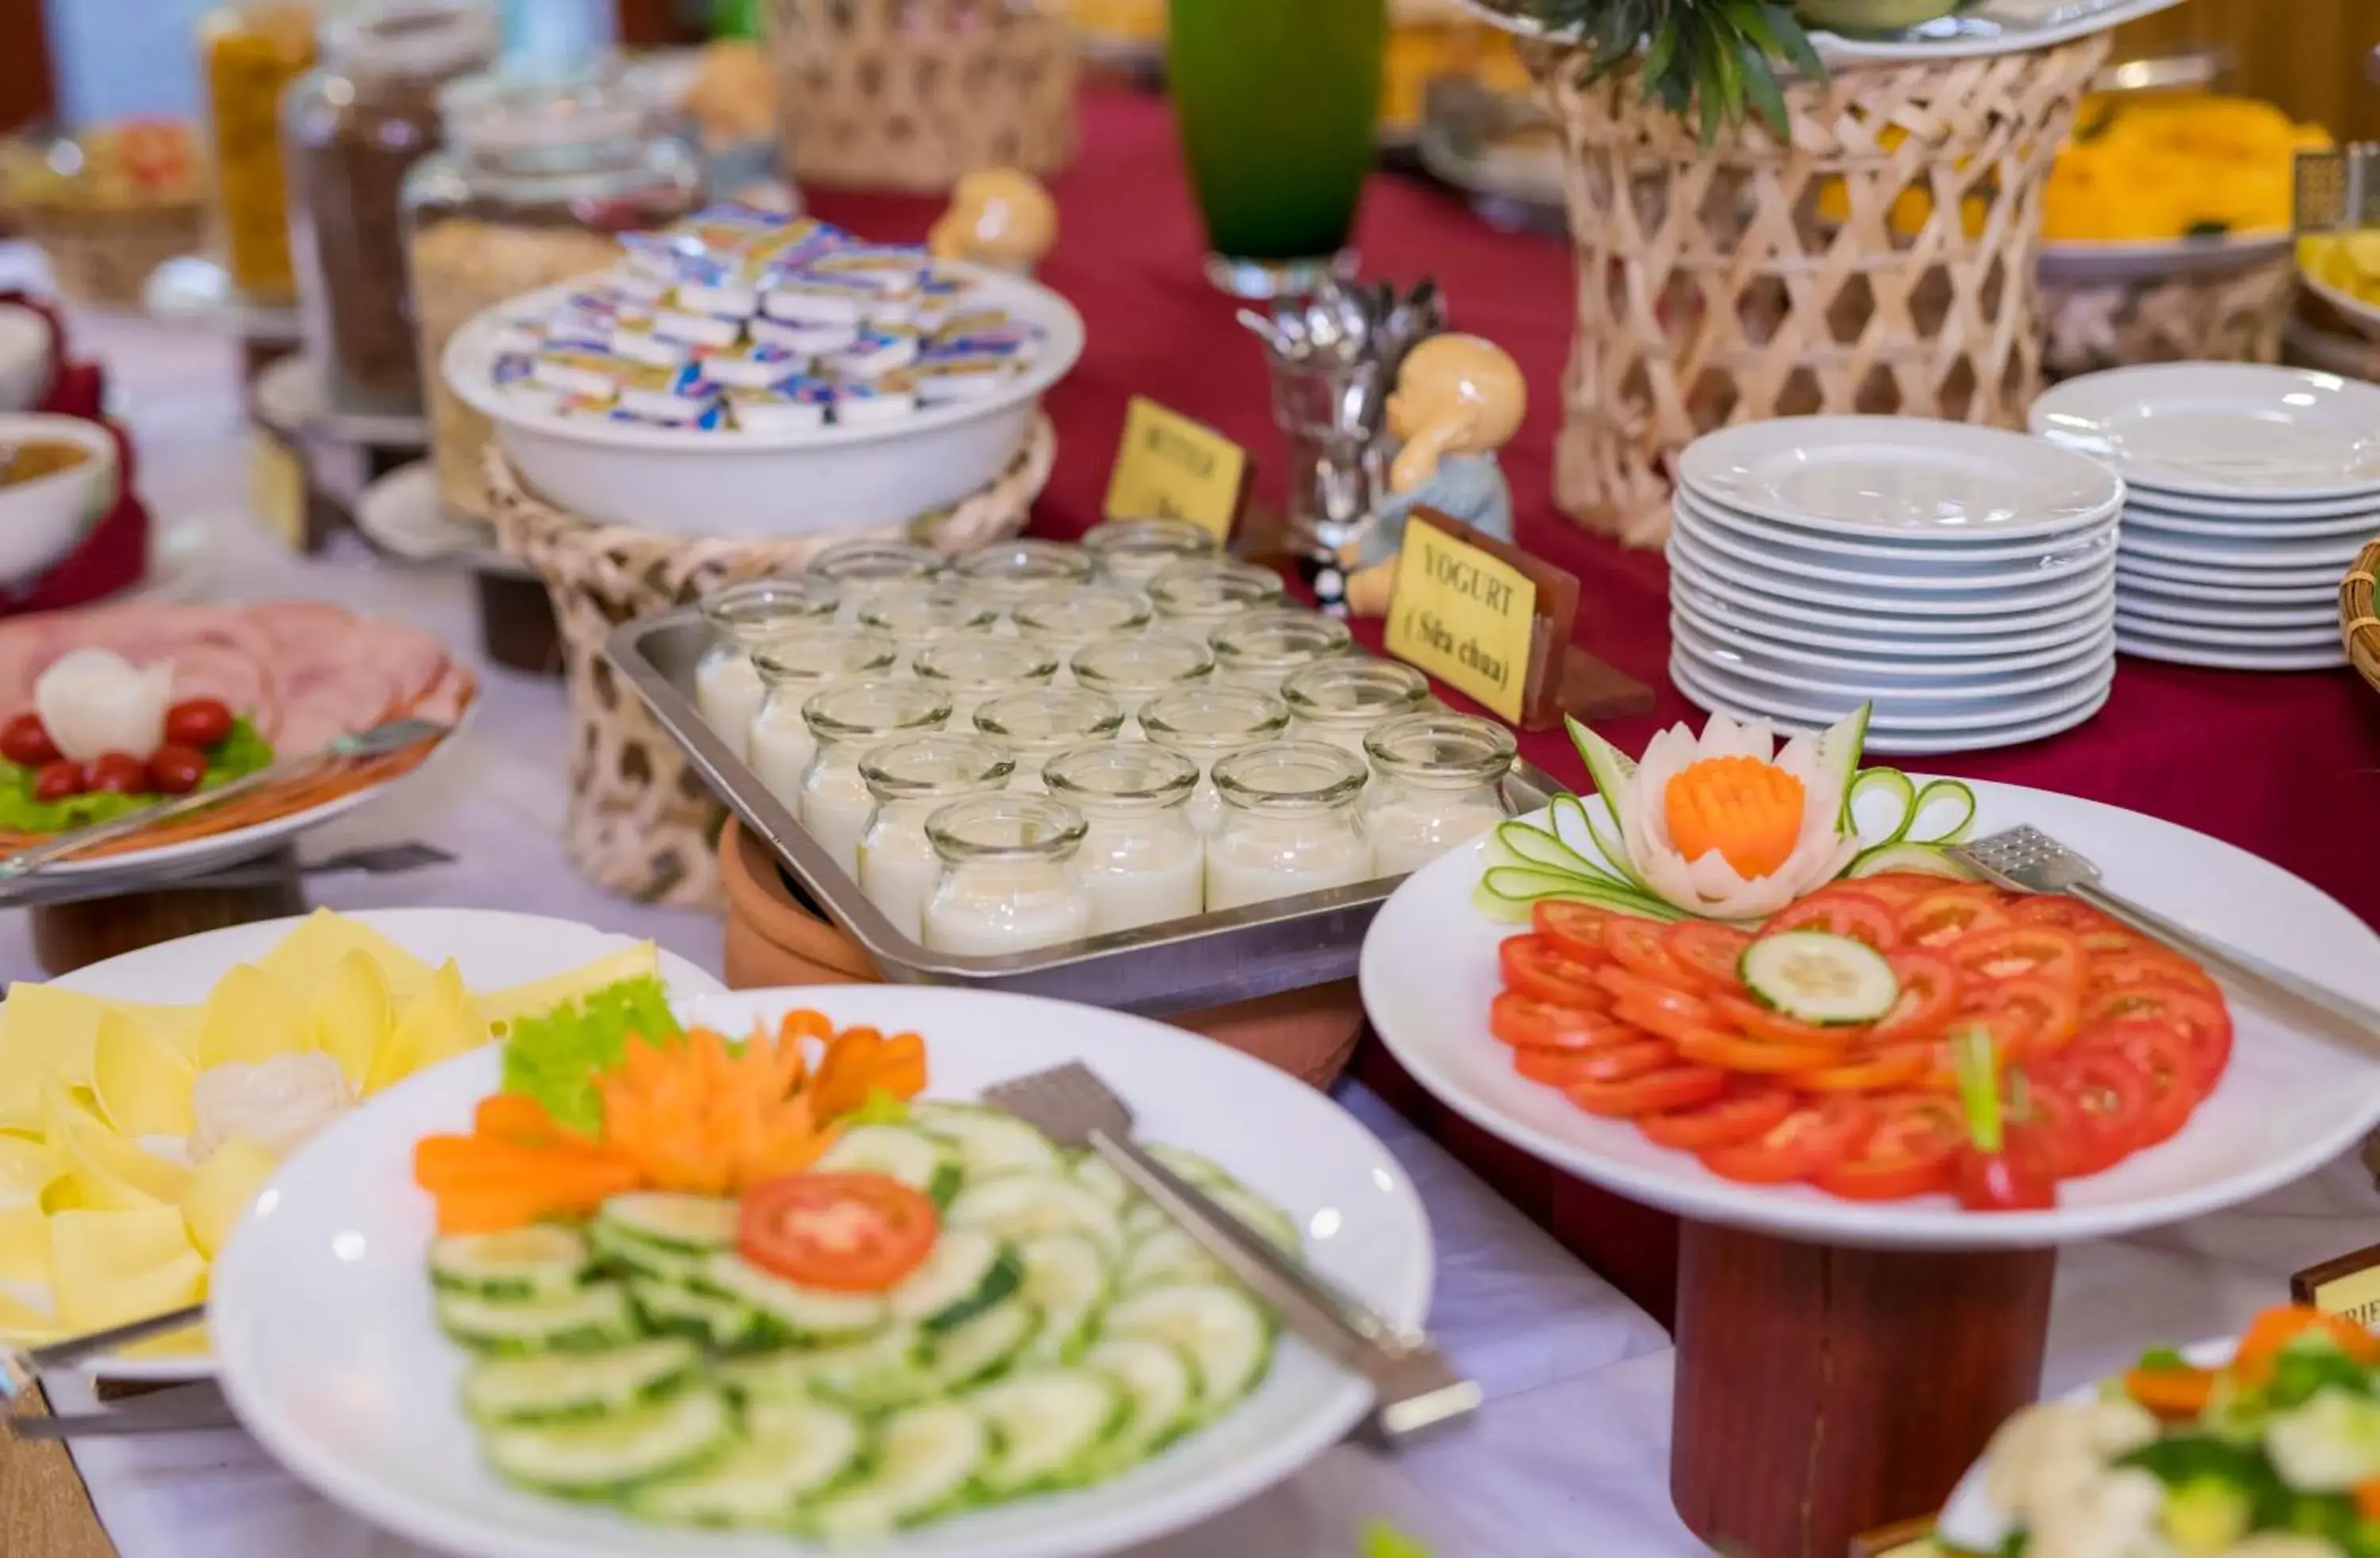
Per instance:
(1570,1457)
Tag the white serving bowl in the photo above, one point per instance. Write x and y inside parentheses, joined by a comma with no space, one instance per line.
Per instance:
(755,486)
(24,357)
(40,520)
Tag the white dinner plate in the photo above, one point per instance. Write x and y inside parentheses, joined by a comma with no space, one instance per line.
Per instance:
(1958,634)
(1688,551)
(322,1311)
(2246,525)
(1922,572)
(493,949)
(2213,430)
(1914,657)
(1890,679)
(1884,740)
(2288,1104)
(2272,635)
(2146,541)
(2217,577)
(1896,713)
(1921,549)
(1898,476)
(2189,650)
(2142,604)
(2131,583)
(2095,262)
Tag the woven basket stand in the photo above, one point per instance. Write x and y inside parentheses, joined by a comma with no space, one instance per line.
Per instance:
(2224,316)
(2359,620)
(103,256)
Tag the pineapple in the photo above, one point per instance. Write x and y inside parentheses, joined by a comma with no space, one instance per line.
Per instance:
(1715,61)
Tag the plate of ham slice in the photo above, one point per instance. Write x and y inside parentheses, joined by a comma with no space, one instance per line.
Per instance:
(294,674)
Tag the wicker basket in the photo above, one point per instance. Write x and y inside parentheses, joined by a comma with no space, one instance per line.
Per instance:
(909,95)
(2222,316)
(103,255)
(641,821)
(1884,261)
(2359,615)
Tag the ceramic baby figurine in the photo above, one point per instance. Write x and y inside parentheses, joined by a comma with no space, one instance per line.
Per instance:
(998,217)
(1458,400)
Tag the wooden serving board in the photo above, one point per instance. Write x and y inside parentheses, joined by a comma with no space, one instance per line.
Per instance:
(43,1507)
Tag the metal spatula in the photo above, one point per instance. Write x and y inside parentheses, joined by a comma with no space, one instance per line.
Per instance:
(1413,1387)
(2031,862)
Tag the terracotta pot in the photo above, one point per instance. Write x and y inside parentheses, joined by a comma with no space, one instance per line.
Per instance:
(772,939)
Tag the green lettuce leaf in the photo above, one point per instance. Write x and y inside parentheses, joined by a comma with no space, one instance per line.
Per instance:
(555,1058)
(241,753)
(1384,1540)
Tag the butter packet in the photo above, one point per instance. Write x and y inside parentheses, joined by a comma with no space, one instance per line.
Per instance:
(709,418)
(877,350)
(667,395)
(706,331)
(896,271)
(587,369)
(889,398)
(809,299)
(794,404)
(810,340)
(723,297)
(754,366)
(708,246)
(958,376)
(649,348)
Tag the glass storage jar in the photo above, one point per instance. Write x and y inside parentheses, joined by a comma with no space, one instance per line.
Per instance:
(1143,860)
(1205,723)
(1036,726)
(917,616)
(862,569)
(1133,552)
(1010,880)
(1133,671)
(971,669)
(1200,597)
(909,780)
(1262,647)
(793,662)
(354,128)
(1437,781)
(535,182)
(1075,617)
(1340,701)
(1007,571)
(741,617)
(1290,825)
(847,720)
(252,51)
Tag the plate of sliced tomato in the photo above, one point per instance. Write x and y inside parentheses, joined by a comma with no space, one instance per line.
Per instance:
(1801,1075)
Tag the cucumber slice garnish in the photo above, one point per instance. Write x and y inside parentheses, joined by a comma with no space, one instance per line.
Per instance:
(789,1452)
(919,1159)
(1819,978)
(1045,1425)
(661,1220)
(1160,1387)
(987,1141)
(554,1387)
(1067,1280)
(1025,1206)
(585,1319)
(965,1273)
(885,1370)
(537,1261)
(1227,1339)
(805,1314)
(611,1455)
(924,1459)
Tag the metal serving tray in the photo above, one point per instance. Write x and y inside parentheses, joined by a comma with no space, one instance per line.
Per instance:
(1185,965)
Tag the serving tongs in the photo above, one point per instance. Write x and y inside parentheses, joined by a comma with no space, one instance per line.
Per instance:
(183,1409)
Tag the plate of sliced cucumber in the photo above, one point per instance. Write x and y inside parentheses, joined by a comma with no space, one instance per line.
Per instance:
(1060,1371)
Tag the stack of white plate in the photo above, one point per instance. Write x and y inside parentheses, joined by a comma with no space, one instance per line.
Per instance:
(2249,491)
(1961,579)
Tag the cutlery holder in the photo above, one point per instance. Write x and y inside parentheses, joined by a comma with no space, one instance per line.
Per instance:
(2225,316)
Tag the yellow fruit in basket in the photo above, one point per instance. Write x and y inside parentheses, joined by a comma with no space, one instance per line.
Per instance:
(2154,169)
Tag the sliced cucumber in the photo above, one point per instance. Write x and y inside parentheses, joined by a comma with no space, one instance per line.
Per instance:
(919,1159)
(552,1387)
(607,1456)
(663,1220)
(630,1257)
(1220,1331)
(1091,1172)
(537,1261)
(1160,1387)
(721,1325)
(583,1320)
(1025,1206)
(1066,1278)
(1045,1425)
(789,1452)
(884,1370)
(1199,1171)
(1263,1219)
(967,1273)
(1816,977)
(1169,1257)
(987,1141)
(808,1314)
(924,1459)
(970,1353)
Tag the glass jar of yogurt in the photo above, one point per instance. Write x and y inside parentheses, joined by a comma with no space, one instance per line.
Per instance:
(1205,723)
(1143,860)
(861,569)
(1010,880)
(918,615)
(1290,823)
(1008,571)
(847,720)
(971,669)
(1197,598)
(1071,617)
(1339,702)
(1263,648)
(909,780)
(794,662)
(1133,552)
(1133,671)
(1036,726)
(727,684)
(1437,781)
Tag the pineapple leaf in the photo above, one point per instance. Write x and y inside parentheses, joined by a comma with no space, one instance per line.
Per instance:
(1767,99)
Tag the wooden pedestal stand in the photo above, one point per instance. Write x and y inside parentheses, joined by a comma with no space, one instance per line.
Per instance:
(1822,1393)
(71,936)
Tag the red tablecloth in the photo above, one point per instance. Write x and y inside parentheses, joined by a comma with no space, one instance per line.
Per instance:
(2286,766)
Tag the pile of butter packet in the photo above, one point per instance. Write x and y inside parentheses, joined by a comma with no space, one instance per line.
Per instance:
(745,320)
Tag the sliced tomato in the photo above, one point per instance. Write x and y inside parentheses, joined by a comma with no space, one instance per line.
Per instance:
(2057,909)
(1809,1142)
(1639,946)
(2054,1128)
(2147,962)
(1567,1068)
(1744,1111)
(851,1233)
(2107,939)
(1897,887)
(2166,1058)
(1749,1017)
(1710,951)
(1844,911)
(1536,966)
(1928,999)
(2028,1017)
(1870,1071)
(2040,952)
(2201,1019)
(1912,1151)
(2112,1095)
(1577,929)
(1527,1023)
(1656,1092)
(1671,1016)
(1939,918)
(1755,1058)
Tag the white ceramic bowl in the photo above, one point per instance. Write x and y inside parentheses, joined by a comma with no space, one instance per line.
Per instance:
(24,358)
(41,520)
(754,486)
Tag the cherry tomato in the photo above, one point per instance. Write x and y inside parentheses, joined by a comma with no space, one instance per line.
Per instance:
(1843,911)
(1527,1023)
(2017,1178)
(1710,951)
(1637,946)
(26,740)
(2028,1017)
(2148,964)
(1756,1056)
(2169,1063)
(1928,999)
(1749,1017)
(853,1232)
(1577,929)
(198,721)
(2201,1019)
(58,780)
(177,769)
(1739,1115)
(119,774)
(1912,1151)
(1536,966)
(1939,918)
(1871,1072)
(1812,1139)
(1656,1092)
(2041,952)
